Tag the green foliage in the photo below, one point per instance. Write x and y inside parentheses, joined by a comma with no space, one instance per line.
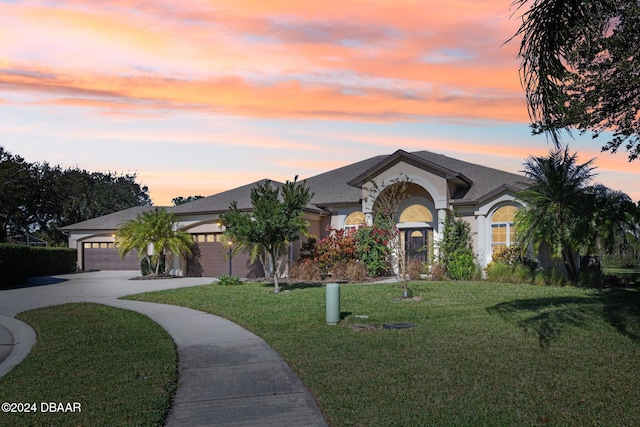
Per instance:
(514,255)
(153,228)
(17,262)
(372,244)
(177,201)
(455,250)
(566,213)
(147,268)
(40,199)
(460,264)
(479,355)
(275,220)
(228,280)
(118,364)
(511,265)
(580,68)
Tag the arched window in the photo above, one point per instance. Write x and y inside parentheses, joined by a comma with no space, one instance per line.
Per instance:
(503,233)
(416,213)
(354,221)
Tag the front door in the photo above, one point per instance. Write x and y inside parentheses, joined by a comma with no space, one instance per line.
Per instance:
(416,243)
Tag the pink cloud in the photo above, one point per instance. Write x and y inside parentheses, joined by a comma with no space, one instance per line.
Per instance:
(273,59)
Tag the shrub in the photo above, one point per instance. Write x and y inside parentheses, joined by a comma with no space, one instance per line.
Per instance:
(308,248)
(147,269)
(228,280)
(306,270)
(460,264)
(437,272)
(339,245)
(372,244)
(415,269)
(17,262)
(511,265)
(455,250)
(513,256)
(352,271)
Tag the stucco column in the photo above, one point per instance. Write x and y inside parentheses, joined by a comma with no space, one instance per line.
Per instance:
(442,215)
(368,218)
(482,240)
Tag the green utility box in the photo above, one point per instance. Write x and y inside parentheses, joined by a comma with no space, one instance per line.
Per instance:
(333,303)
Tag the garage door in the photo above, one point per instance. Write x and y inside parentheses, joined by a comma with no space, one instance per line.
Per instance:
(211,259)
(104,256)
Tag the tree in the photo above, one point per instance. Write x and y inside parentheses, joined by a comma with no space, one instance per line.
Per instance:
(177,201)
(455,250)
(39,198)
(17,195)
(152,229)
(566,213)
(581,69)
(274,221)
(387,202)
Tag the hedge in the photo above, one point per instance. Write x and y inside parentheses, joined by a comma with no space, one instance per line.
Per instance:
(17,262)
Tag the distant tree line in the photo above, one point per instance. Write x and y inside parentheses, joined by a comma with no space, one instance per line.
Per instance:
(39,199)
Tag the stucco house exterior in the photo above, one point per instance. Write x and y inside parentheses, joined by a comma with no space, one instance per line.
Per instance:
(484,197)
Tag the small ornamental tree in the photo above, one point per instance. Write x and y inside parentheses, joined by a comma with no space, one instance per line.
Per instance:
(275,220)
(387,201)
(455,250)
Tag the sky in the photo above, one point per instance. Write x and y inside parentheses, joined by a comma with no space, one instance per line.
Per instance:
(200,96)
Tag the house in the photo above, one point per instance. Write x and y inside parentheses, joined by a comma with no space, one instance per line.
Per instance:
(484,197)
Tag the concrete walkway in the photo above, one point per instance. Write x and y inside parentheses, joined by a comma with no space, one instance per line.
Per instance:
(227,376)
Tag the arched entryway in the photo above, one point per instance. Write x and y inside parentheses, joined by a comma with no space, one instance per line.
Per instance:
(415,222)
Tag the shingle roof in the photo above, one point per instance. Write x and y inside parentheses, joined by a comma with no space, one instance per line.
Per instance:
(220,202)
(333,187)
(339,186)
(111,221)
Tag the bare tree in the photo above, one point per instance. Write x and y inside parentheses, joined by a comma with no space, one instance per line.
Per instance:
(386,200)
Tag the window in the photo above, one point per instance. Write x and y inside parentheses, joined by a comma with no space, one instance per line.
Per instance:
(416,213)
(205,238)
(354,221)
(503,232)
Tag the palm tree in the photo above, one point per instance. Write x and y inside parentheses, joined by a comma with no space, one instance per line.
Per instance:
(153,229)
(580,68)
(557,207)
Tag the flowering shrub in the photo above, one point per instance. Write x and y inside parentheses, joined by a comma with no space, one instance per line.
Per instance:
(373,249)
(339,245)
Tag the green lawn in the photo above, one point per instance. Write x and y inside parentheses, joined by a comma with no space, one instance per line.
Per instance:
(118,365)
(480,354)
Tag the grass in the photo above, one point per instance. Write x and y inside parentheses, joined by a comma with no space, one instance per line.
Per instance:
(117,364)
(481,354)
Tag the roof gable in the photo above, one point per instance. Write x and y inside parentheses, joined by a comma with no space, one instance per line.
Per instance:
(411,159)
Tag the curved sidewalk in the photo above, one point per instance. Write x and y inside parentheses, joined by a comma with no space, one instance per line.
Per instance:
(227,376)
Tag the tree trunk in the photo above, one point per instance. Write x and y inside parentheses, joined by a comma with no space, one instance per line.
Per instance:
(570,265)
(275,271)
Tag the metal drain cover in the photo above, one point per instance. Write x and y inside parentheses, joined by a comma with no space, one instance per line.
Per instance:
(398,325)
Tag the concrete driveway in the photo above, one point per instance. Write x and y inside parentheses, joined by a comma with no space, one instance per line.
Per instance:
(226,375)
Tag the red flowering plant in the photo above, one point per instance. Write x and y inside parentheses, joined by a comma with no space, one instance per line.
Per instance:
(373,249)
(338,245)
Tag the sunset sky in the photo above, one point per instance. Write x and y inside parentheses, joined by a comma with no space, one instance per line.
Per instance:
(199,96)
